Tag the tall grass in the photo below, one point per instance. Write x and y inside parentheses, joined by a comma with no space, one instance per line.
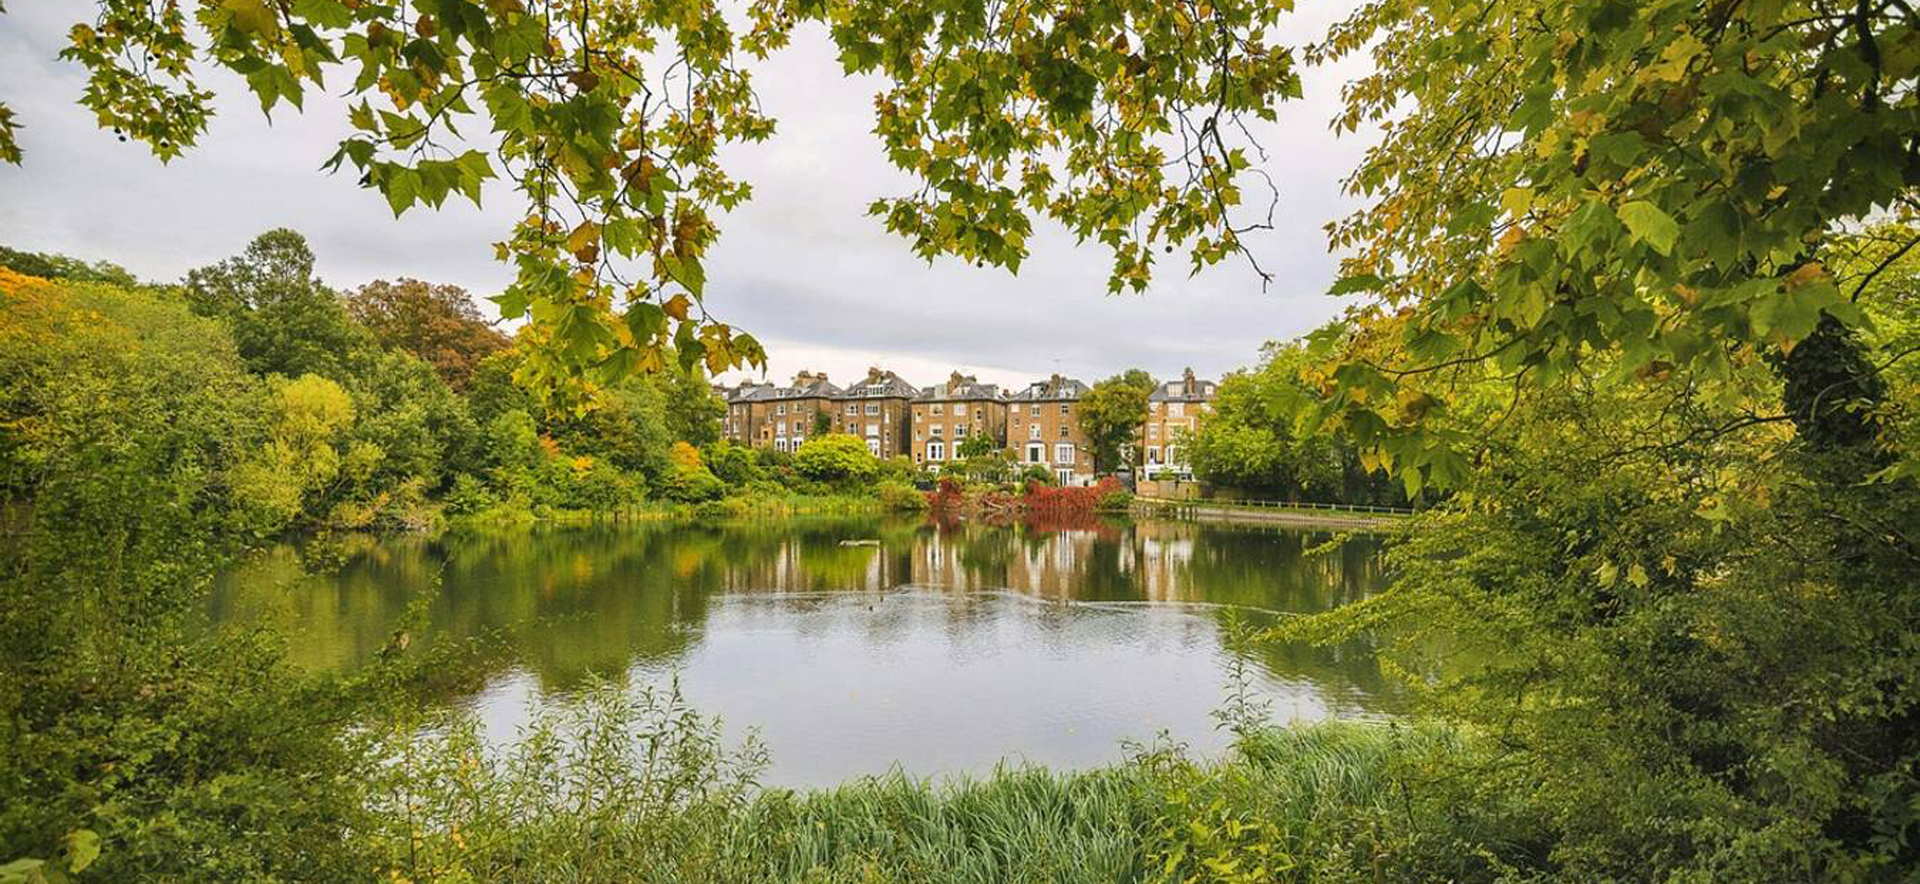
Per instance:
(634,786)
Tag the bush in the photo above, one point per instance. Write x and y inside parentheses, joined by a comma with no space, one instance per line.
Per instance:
(1116,500)
(736,465)
(837,459)
(688,480)
(469,496)
(900,497)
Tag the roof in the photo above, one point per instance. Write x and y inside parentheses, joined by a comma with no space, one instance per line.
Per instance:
(960,388)
(880,385)
(1053,389)
(813,388)
(1187,390)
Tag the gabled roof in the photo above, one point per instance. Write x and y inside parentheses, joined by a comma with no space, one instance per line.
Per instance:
(810,387)
(880,385)
(1183,391)
(1054,389)
(961,388)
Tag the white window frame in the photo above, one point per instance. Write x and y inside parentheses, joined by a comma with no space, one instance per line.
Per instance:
(873,408)
(959,409)
(1176,409)
(1033,432)
(853,408)
(937,430)
(1036,452)
(936,450)
(873,431)
(1033,411)
(780,444)
(938,409)
(1062,453)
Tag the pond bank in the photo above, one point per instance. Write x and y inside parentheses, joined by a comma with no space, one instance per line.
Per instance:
(1276,514)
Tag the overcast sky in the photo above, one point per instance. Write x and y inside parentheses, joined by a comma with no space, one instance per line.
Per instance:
(801,266)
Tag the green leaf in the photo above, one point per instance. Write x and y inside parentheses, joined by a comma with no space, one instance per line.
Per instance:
(1363,282)
(83,847)
(1649,224)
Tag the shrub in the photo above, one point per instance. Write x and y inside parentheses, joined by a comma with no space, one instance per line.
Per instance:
(900,497)
(688,480)
(837,459)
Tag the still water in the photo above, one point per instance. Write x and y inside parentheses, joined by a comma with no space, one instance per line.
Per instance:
(854,644)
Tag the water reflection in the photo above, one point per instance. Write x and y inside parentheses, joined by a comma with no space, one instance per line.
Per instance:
(853,643)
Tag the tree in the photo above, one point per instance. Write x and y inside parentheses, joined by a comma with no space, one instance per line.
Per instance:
(836,458)
(1647,182)
(976,445)
(48,266)
(437,323)
(693,409)
(284,320)
(1120,121)
(1609,253)
(1111,415)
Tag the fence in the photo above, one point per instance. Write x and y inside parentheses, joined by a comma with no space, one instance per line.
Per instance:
(1281,506)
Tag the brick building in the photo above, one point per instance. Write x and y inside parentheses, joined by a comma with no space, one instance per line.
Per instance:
(1043,427)
(944,415)
(1174,408)
(875,409)
(781,418)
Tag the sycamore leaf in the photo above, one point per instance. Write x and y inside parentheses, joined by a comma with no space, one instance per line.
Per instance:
(1649,224)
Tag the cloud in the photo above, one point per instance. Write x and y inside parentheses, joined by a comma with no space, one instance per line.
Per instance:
(801,266)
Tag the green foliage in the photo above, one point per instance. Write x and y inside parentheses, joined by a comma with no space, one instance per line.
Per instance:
(693,409)
(735,465)
(1110,416)
(283,319)
(837,459)
(48,266)
(1249,444)
(1119,124)
(897,496)
(688,479)
(137,746)
(977,445)
(1651,184)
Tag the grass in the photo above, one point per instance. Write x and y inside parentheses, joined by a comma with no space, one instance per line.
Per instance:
(633,786)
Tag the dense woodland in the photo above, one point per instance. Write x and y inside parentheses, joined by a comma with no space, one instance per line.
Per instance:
(1632,284)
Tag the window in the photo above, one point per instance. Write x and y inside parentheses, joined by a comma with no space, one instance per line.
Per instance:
(937,431)
(1065,433)
(1066,408)
(873,429)
(917,435)
(783,428)
(1033,411)
(796,441)
(780,444)
(1036,453)
(873,408)
(873,447)
(852,408)
(1153,454)
(936,450)
(1171,456)
(939,409)
(1063,453)
(1176,408)
(1153,431)
(1064,475)
(1033,431)
(959,409)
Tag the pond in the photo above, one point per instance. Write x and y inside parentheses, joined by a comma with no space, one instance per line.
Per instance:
(855,644)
